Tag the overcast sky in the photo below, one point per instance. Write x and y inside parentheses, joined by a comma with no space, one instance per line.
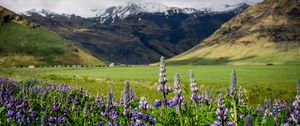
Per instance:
(83,7)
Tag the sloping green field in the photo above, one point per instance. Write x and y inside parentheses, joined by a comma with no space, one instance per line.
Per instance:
(21,45)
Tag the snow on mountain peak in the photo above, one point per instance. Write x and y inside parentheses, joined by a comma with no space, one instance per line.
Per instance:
(42,12)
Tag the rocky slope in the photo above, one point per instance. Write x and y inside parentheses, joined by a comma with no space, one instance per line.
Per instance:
(266,33)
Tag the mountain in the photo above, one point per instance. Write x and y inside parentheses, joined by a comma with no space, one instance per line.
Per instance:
(137,33)
(25,43)
(265,33)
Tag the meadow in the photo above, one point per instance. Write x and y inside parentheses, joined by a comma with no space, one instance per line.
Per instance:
(260,81)
(213,101)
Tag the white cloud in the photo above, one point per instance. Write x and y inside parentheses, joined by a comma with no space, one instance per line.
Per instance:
(83,7)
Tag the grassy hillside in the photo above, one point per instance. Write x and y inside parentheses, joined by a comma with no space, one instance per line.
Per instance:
(22,43)
(268,32)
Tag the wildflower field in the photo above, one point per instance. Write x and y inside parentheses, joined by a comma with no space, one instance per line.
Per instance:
(138,96)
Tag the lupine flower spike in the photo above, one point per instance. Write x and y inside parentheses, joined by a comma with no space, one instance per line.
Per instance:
(233,85)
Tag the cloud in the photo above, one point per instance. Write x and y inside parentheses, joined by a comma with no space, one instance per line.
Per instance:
(83,7)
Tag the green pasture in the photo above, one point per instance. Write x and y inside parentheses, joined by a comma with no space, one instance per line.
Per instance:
(277,81)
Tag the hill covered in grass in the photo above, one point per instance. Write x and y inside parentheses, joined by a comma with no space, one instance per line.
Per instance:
(25,43)
(266,33)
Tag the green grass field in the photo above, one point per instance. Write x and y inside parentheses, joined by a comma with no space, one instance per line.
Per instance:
(278,81)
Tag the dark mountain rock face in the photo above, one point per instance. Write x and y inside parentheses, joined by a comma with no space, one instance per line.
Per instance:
(139,38)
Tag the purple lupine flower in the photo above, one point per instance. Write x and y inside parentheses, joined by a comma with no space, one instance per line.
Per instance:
(248,121)
(177,86)
(241,95)
(55,106)
(200,98)
(276,107)
(172,103)
(221,112)
(52,119)
(169,89)
(162,75)
(10,105)
(143,104)
(296,103)
(9,114)
(99,102)
(138,115)
(230,123)
(157,103)
(113,115)
(102,114)
(30,110)
(66,112)
(99,123)
(259,109)
(85,111)
(233,84)
(227,91)
(159,89)
(19,114)
(163,80)
(125,98)
(194,97)
(266,103)
(61,120)
(193,84)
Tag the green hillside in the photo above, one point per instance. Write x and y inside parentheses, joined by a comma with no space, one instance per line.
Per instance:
(265,33)
(24,43)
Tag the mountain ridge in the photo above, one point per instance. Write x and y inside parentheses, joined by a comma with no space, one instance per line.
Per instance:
(267,32)
(137,39)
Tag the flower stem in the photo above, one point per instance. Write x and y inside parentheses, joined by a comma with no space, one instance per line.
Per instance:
(235,112)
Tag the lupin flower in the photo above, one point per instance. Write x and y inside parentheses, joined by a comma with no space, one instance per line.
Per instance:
(178,99)
(208,96)
(162,72)
(109,110)
(157,103)
(267,108)
(9,114)
(85,111)
(143,104)
(55,106)
(159,89)
(99,123)
(233,84)
(221,113)
(194,88)
(266,103)
(99,102)
(61,120)
(259,109)
(177,86)
(125,96)
(241,95)
(227,91)
(163,80)
(276,107)
(52,119)
(295,115)
(193,84)
(248,121)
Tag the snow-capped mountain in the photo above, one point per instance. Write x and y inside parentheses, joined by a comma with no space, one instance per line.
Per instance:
(137,33)
(110,15)
(43,12)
